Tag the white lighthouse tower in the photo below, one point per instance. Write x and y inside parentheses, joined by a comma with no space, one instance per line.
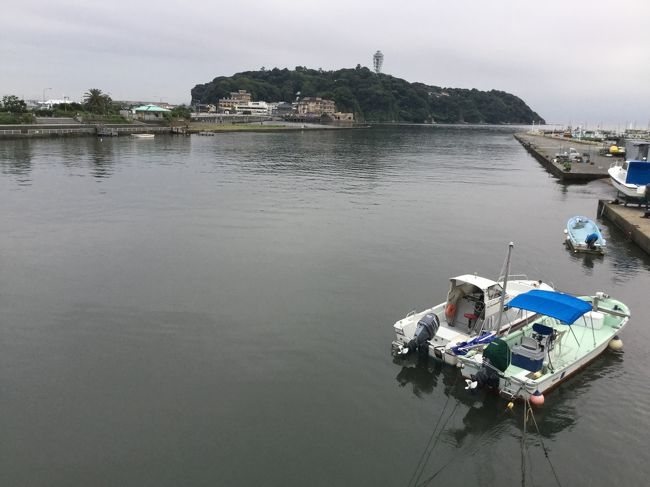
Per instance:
(377,61)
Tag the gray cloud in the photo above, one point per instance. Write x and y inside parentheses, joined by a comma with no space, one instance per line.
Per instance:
(570,61)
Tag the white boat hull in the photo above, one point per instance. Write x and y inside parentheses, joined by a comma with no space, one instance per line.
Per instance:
(631,191)
(451,334)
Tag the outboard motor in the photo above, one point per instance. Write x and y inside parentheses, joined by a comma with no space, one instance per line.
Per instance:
(496,359)
(425,331)
(591,240)
(487,377)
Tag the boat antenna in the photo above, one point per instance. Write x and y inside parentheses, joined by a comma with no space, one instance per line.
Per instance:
(505,283)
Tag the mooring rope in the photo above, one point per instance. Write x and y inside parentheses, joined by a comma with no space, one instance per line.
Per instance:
(454,458)
(541,441)
(424,458)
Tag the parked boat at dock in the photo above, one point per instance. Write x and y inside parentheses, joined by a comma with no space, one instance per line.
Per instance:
(474,313)
(143,136)
(568,334)
(583,235)
(630,177)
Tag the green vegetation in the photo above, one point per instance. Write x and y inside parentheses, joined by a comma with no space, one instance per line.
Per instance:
(13,110)
(97,102)
(373,97)
(181,112)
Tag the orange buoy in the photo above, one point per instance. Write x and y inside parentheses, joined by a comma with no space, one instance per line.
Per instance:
(537,399)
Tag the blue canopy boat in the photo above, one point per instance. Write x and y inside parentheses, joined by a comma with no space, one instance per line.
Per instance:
(539,356)
(583,235)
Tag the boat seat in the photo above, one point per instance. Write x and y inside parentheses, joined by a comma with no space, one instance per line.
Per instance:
(529,343)
(470,317)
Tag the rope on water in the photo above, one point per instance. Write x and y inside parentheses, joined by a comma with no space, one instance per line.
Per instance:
(455,458)
(557,479)
(523,447)
(428,449)
(426,481)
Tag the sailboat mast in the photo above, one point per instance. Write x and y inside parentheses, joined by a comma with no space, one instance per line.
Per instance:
(505,283)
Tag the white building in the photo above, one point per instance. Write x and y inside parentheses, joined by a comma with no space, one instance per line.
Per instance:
(252,108)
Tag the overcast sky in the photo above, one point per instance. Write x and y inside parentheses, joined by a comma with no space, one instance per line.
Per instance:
(572,61)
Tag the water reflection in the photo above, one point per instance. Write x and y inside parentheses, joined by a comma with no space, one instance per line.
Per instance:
(486,409)
(587,260)
(101,158)
(16,160)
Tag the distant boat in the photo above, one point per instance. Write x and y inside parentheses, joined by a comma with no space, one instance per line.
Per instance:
(143,136)
(630,177)
(568,334)
(583,235)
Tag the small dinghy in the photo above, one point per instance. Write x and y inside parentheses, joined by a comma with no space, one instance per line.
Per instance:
(583,235)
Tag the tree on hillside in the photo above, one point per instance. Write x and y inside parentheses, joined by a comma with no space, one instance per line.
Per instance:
(372,96)
(97,102)
(13,104)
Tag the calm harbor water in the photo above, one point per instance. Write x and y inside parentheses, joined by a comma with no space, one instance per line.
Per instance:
(208,311)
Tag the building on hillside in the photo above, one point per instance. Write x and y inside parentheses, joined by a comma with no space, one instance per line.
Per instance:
(205,108)
(315,106)
(282,108)
(343,116)
(251,108)
(150,113)
(241,97)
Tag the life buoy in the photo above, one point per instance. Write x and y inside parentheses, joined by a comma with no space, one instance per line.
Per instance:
(450,311)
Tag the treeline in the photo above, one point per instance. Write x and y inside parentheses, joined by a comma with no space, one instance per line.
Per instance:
(373,97)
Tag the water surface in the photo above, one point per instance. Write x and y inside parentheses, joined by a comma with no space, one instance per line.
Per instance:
(218,311)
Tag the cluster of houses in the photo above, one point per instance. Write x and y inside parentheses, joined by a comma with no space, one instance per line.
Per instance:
(238,104)
(241,103)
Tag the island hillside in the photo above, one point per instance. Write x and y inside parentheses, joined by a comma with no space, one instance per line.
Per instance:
(373,97)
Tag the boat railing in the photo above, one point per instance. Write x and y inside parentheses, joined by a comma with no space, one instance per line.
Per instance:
(513,277)
(618,163)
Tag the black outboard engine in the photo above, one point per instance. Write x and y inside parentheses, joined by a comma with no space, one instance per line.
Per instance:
(487,377)
(496,359)
(425,331)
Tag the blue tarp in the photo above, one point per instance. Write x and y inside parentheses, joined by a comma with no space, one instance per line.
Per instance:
(563,307)
(638,173)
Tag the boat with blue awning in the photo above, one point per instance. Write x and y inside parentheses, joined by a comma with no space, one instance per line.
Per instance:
(569,333)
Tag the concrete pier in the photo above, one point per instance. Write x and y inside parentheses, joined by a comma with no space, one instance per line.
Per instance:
(629,219)
(544,148)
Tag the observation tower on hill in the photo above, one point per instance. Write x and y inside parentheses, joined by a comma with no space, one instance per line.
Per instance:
(377,61)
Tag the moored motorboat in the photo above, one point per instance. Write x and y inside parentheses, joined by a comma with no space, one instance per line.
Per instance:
(632,176)
(143,136)
(475,312)
(569,333)
(583,235)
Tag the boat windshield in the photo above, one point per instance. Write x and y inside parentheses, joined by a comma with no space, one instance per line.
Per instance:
(494,291)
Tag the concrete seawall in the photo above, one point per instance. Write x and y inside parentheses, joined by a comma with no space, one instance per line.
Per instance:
(543,149)
(60,130)
(630,220)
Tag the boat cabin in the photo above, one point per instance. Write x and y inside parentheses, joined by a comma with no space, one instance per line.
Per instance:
(637,150)
(472,303)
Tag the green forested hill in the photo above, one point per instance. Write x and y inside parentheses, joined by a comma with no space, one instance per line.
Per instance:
(373,97)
